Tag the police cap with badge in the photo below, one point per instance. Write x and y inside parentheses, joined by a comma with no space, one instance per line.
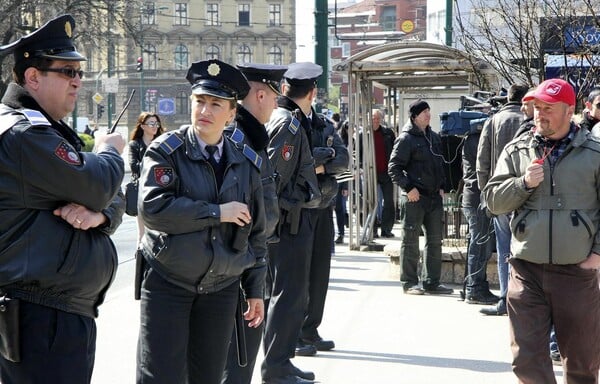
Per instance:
(269,74)
(53,40)
(303,74)
(218,79)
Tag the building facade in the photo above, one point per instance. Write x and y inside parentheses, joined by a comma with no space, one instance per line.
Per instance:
(153,60)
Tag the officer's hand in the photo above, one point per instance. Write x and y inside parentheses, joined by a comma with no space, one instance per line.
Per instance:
(534,175)
(235,212)
(320,169)
(80,217)
(114,139)
(255,313)
(592,262)
(413,195)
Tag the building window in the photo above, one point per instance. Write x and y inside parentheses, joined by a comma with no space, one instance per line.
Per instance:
(212,14)
(275,15)
(244,54)
(181,57)
(182,101)
(275,55)
(212,52)
(149,57)
(388,18)
(346,50)
(181,14)
(244,15)
(148,13)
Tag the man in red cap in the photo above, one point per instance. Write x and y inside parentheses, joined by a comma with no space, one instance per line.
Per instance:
(549,178)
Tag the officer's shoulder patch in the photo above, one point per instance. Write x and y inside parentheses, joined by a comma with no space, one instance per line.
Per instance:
(67,153)
(294,125)
(163,176)
(171,143)
(252,156)
(12,117)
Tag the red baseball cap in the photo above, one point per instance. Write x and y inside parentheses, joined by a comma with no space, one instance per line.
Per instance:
(553,91)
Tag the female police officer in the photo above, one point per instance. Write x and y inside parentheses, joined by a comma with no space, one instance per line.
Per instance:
(202,206)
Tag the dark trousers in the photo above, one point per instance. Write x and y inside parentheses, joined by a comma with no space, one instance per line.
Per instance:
(320,264)
(183,336)
(341,214)
(56,348)
(234,374)
(481,245)
(426,212)
(287,285)
(388,211)
(567,296)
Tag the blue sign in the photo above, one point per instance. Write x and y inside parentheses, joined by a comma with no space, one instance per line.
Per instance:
(166,106)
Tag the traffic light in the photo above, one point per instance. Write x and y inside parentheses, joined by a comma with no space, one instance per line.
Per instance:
(100,110)
(140,64)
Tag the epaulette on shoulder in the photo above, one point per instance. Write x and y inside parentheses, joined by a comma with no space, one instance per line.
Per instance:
(294,125)
(171,143)
(35,117)
(237,136)
(251,155)
(10,117)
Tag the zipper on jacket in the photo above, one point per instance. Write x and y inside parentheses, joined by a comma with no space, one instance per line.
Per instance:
(551,212)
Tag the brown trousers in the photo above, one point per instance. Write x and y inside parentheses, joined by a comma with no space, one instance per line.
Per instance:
(566,296)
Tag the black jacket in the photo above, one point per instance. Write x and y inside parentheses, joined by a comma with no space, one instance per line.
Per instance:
(184,239)
(291,155)
(43,259)
(255,135)
(416,160)
(137,148)
(328,150)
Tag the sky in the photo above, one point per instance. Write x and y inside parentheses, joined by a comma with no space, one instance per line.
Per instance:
(305,30)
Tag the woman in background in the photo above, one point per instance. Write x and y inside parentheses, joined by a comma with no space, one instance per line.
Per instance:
(147,128)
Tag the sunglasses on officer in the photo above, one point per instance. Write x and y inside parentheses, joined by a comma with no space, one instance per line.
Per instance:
(69,72)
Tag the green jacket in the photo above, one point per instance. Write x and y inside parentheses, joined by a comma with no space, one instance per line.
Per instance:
(556,222)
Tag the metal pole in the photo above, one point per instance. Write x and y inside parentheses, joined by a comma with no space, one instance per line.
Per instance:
(449,29)
(96,109)
(321,54)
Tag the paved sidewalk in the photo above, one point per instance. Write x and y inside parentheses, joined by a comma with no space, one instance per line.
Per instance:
(382,336)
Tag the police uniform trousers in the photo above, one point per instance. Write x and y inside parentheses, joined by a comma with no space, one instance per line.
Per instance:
(234,374)
(184,336)
(56,348)
(320,264)
(566,296)
(287,284)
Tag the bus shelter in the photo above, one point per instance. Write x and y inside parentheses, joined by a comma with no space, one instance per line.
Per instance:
(417,68)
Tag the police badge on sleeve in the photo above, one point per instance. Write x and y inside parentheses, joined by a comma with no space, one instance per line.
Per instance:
(163,176)
(67,153)
(287,152)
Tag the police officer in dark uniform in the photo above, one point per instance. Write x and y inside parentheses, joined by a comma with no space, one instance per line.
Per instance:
(248,130)
(201,200)
(58,208)
(290,150)
(331,159)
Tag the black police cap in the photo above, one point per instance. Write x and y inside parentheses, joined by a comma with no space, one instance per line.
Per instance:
(218,79)
(303,73)
(269,74)
(53,40)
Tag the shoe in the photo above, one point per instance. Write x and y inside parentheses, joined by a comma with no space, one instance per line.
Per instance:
(414,290)
(439,289)
(497,310)
(555,356)
(387,234)
(319,343)
(306,375)
(303,349)
(288,379)
(375,234)
(486,298)
(340,239)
